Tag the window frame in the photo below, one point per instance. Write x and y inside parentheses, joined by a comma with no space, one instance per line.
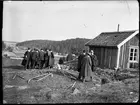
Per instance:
(133,54)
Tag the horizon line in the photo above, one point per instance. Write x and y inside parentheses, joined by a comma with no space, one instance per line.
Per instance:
(43,39)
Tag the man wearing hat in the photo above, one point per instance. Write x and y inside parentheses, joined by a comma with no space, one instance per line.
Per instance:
(27,57)
(94,60)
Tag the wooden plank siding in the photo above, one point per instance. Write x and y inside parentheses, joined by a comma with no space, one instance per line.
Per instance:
(106,56)
(114,58)
(135,41)
(124,51)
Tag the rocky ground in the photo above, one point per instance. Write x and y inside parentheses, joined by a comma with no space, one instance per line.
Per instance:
(61,87)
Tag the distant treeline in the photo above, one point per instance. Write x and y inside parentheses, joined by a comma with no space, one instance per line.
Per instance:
(65,46)
(3,45)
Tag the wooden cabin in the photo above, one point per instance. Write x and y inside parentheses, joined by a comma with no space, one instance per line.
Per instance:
(116,49)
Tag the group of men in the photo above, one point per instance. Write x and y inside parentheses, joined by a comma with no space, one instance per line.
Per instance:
(38,58)
(87,62)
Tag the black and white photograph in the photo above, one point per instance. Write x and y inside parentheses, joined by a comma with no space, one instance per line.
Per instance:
(70,51)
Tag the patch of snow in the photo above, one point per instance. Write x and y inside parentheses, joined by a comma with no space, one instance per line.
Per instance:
(76,91)
(4,102)
(135,100)
(131,92)
(98,85)
(15,58)
(9,86)
(93,88)
(22,87)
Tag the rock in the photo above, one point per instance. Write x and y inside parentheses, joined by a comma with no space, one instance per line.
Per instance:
(76,91)
(4,102)
(32,97)
(135,100)
(48,95)
(104,81)
(51,95)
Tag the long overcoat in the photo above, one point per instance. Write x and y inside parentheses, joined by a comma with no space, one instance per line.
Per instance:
(42,55)
(35,58)
(94,61)
(27,58)
(46,57)
(80,57)
(51,59)
(86,68)
(34,55)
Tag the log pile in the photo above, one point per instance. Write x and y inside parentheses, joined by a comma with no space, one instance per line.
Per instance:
(112,75)
(72,65)
(105,74)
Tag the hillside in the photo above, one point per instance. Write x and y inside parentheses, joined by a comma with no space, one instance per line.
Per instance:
(10,43)
(64,46)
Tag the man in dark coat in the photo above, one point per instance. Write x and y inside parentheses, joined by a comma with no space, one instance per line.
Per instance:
(94,60)
(41,58)
(80,57)
(27,57)
(51,60)
(34,54)
(46,63)
(86,68)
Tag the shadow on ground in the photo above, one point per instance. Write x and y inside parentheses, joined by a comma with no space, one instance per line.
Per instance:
(14,67)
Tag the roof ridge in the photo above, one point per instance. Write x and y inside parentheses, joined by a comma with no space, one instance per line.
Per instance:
(119,31)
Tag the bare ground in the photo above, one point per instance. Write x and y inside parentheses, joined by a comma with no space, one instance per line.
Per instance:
(58,89)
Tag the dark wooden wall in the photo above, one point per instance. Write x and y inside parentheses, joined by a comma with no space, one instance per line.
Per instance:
(124,51)
(107,56)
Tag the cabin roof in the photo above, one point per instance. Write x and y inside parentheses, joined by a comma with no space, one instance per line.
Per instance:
(110,38)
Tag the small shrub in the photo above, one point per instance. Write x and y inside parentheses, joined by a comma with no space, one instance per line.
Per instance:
(5,55)
(61,61)
(9,48)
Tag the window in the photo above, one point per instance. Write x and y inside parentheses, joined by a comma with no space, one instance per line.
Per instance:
(133,54)
(133,57)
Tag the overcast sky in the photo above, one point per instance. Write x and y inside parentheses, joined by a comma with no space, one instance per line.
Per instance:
(60,20)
